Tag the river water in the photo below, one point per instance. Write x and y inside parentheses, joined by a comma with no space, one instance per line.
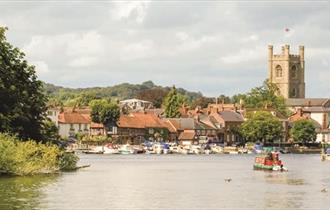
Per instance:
(174,182)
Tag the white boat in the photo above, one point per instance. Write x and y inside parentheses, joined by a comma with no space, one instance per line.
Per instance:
(207,151)
(217,149)
(109,149)
(196,149)
(126,149)
(158,148)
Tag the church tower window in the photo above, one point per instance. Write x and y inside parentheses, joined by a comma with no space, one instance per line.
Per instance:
(278,71)
(294,72)
(294,92)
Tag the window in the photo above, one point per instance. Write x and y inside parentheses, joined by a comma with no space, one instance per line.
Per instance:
(293,92)
(85,127)
(50,113)
(293,71)
(71,127)
(278,70)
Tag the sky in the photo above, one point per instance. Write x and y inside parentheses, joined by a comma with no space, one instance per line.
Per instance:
(215,47)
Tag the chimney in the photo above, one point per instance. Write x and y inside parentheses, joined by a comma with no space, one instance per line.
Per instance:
(300,112)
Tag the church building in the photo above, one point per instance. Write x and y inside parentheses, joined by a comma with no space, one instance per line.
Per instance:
(287,71)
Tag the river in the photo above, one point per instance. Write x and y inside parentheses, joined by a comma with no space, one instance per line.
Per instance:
(174,182)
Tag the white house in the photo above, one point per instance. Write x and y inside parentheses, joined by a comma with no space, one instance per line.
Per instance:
(135,104)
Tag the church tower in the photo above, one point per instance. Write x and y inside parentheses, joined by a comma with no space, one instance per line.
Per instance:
(287,71)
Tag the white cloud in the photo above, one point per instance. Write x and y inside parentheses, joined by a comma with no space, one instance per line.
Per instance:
(89,43)
(189,43)
(244,55)
(41,68)
(130,9)
(83,61)
(137,50)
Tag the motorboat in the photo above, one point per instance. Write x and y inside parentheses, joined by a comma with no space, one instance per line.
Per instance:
(269,161)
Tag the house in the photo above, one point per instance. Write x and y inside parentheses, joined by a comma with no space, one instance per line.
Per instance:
(74,121)
(203,128)
(97,129)
(53,113)
(137,127)
(188,137)
(229,123)
(318,110)
(134,105)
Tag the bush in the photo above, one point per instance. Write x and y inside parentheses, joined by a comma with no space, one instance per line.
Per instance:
(29,157)
(68,161)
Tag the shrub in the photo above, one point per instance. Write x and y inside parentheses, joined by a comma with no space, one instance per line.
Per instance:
(68,161)
(30,157)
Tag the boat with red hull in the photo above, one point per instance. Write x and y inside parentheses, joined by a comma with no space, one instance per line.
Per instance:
(269,161)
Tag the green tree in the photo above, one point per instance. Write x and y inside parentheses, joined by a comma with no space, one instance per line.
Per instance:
(224,99)
(262,127)
(203,102)
(172,103)
(303,131)
(154,95)
(22,102)
(104,111)
(266,96)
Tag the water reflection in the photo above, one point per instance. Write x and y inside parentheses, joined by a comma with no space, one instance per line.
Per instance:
(23,192)
(283,178)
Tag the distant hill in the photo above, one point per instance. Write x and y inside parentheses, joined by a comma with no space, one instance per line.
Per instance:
(146,91)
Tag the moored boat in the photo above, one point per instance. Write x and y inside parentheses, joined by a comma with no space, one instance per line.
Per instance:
(269,161)
(326,155)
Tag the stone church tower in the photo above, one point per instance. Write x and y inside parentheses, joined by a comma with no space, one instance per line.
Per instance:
(287,71)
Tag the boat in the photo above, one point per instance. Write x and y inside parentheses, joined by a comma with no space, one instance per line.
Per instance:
(258,149)
(166,149)
(326,155)
(269,161)
(110,149)
(158,148)
(94,150)
(126,149)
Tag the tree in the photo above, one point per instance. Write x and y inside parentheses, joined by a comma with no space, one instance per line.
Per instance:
(303,131)
(155,95)
(263,127)
(224,99)
(172,103)
(105,112)
(266,96)
(202,102)
(22,102)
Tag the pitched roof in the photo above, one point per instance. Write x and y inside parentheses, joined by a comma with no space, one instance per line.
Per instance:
(74,118)
(182,123)
(170,126)
(140,120)
(231,116)
(306,101)
(96,125)
(187,135)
